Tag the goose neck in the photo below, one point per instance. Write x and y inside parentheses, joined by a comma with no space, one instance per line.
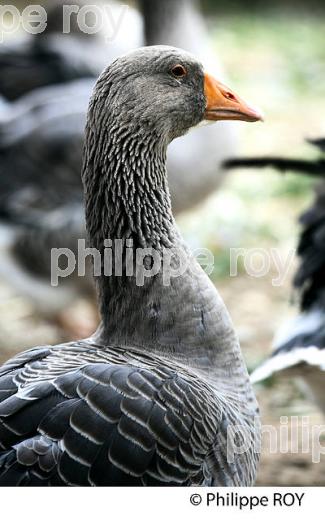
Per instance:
(128,204)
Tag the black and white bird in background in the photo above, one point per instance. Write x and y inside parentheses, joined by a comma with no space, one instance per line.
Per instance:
(299,349)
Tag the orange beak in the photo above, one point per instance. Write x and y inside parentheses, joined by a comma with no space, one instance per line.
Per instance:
(222,103)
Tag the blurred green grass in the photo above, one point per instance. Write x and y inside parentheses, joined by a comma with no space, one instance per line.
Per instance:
(277,61)
(291,44)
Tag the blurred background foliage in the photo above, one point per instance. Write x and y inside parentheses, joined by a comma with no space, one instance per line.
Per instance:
(278,61)
(261,5)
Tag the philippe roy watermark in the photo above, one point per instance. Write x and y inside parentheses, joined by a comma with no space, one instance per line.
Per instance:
(293,435)
(90,19)
(121,258)
(259,261)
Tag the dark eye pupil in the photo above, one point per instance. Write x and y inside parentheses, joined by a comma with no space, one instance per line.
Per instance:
(178,71)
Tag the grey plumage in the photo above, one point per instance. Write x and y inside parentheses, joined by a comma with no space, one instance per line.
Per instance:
(116,418)
(150,398)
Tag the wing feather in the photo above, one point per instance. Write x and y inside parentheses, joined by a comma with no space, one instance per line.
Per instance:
(113,421)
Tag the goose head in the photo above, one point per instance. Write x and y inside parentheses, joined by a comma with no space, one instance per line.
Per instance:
(141,102)
(165,91)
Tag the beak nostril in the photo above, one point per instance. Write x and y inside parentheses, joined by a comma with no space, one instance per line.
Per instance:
(229,95)
(223,104)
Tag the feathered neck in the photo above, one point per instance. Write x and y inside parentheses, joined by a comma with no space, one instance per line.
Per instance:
(127,202)
(126,188)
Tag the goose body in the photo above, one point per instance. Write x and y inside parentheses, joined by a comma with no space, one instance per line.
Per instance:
(151,398)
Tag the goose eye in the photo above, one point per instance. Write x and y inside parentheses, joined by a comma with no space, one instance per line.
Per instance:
(179,71)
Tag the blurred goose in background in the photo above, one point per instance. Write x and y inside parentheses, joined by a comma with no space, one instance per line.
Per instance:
(41,142)
(45,111)
(4,106)
(299,349)
(52,57)
(151,398)
(41,203)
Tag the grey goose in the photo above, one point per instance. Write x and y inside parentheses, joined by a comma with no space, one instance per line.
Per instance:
(152,397)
